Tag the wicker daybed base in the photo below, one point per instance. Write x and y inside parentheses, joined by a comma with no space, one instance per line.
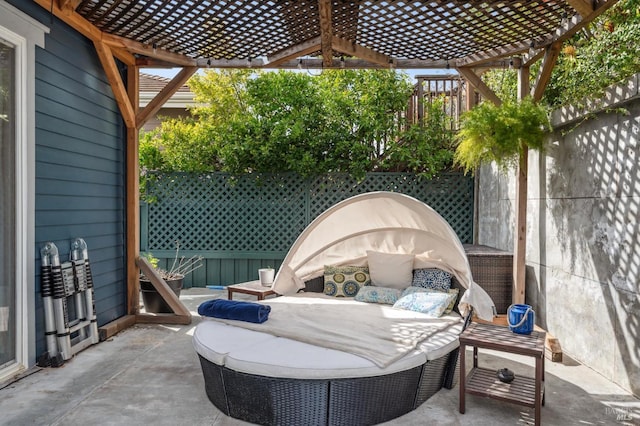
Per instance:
(341,401)
(349,401)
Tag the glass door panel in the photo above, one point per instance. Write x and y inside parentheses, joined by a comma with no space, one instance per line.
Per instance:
(8,316)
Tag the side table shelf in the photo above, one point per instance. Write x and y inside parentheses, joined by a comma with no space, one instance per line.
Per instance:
(483,382)
(523,390)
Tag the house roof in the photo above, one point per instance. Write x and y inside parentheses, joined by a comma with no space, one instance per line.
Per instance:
(150,85)
(155,83)
(328,33)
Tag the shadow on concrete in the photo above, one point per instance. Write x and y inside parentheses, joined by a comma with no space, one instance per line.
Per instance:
(150,374)
(592,195)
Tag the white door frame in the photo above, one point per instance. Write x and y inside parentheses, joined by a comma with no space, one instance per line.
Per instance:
(25,33)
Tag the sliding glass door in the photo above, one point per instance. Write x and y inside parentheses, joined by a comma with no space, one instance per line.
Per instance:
(9,318)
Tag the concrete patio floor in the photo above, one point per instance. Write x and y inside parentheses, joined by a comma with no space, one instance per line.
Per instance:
(150,374)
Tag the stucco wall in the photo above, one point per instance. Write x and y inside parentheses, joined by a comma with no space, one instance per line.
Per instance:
(583,236)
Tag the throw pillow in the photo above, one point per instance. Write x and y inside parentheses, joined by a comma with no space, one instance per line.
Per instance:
(433,278)
(373,294)
(433,304)
(452,304)
(345,280)
(390,270)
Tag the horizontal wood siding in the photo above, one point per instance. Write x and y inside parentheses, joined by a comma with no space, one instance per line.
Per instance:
(80,182)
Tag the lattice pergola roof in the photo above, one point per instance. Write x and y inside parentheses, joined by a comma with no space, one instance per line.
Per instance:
(277,33)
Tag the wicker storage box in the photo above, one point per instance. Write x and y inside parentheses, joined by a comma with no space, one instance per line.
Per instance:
(492,269)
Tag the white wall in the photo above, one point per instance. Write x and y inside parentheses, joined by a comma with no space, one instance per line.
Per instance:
(583,232)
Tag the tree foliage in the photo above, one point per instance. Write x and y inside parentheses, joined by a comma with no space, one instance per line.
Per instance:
(605,53)
(593,60)
(339,121)
(425,147)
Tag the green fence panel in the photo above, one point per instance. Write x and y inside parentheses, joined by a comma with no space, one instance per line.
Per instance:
(242,223)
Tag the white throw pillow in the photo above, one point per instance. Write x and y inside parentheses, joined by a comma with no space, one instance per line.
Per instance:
(390,269)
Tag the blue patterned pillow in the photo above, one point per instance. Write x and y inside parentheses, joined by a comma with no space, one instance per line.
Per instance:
(432,278)
(431,303)
(452,304)
(345,280)
(373,294)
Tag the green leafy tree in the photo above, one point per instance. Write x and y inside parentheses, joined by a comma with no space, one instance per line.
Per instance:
(424,148)
(603,54)
(593,60)
(339,121)
(282,130)
(366,104)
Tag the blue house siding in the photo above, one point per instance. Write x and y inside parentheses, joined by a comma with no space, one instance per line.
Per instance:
(80,181)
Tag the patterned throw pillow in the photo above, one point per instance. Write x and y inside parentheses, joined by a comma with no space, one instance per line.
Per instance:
(384,295)
(431,303)
(345,280)
(452,304)
(432,278)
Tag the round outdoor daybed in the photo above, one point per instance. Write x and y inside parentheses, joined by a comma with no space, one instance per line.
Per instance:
(265,379)
(269,380)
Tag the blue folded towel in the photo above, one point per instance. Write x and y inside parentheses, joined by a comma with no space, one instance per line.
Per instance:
(235,310)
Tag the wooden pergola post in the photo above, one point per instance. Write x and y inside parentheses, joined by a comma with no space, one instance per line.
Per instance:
(520,232)
(133,197)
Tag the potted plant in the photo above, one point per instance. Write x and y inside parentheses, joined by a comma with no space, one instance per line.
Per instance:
(266,275)
(491,133)
(174,277)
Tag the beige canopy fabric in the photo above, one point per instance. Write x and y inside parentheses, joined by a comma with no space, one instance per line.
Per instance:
(386,222)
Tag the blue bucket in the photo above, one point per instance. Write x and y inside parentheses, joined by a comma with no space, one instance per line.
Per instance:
(521,318)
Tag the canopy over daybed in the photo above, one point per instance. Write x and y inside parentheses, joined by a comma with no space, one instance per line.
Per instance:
(385,222)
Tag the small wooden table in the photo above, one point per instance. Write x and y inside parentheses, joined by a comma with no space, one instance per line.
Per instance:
(253,288)
(522,390)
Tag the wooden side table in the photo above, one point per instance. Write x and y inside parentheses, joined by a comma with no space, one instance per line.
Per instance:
(522,390)
(253,288)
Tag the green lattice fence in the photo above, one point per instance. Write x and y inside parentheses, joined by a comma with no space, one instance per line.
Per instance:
(240,224)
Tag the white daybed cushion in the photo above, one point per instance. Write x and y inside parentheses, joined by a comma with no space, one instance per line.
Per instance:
(253,352)
(379,333)
(442,342)
(288,358)
(214,340)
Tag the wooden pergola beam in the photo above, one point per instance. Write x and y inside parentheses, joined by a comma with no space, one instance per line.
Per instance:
(68,5)
(125,57)
(353,49)
(215,63)
(119,90)
(326,31)
(164,95)
(356,63)
(532,57)
(544,75)
(181,313)
(583,7)
(148,50)
(475,80)
(293,52)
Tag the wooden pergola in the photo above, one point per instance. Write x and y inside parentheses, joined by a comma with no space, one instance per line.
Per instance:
(469,36)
